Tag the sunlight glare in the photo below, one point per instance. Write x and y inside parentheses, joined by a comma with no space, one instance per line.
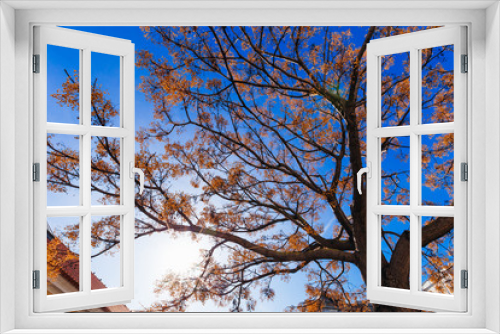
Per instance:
(182,256)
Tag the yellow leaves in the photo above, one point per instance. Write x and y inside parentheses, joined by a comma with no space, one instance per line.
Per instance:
(62,164)
(447,141)
(437,162)
(177,203)
(234,175)
(439,272)
(297,242)
(58,256)
(218,184)
(103,110)
(426,158)
(204,117)
(214,83)
(437,85)
(106,231)
(68,95)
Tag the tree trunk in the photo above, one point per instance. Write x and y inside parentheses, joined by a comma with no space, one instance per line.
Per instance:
(395,274)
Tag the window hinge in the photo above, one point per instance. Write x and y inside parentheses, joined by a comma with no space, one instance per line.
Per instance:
(464,171)
(36,172)
(36,279)
(465,279)
(36,63)
(465,64)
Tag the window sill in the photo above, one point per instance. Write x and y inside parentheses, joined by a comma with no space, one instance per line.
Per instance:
(251,331)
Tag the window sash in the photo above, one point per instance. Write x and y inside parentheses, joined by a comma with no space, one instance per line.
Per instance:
(86,43)
(413,43)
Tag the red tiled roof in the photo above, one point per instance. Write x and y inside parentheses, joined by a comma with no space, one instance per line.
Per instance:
(70,270)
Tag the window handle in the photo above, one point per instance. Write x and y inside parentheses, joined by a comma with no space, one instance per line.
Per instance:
(133,171)
(368,171)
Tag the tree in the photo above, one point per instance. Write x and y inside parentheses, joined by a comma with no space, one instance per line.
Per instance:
(268,126)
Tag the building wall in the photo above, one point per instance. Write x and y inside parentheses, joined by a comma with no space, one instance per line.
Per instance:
(7,158)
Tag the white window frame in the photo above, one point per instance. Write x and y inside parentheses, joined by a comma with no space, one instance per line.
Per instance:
(413,44)
(484,50)
(86,44)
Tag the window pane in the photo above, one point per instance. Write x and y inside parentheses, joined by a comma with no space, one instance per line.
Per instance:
(437,255)
(106,259)
(63,255)
(105,89)
(105,171)
(437,169)
(395,89)
(395,170)
(437,84)
(63,170)
(63,88)
(395,246)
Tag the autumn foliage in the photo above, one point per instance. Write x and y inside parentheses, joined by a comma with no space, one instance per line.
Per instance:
(267,127)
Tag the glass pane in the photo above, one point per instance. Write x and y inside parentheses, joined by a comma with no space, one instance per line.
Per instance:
(63,252)
(395,89)
(63,86)
(437,169)
(106,260)
(395,246)
(63,170)
(395,170)
(437,84)
(105,171)
(437,255)
(105,89)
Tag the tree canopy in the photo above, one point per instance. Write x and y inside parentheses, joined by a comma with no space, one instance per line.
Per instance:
(267,124)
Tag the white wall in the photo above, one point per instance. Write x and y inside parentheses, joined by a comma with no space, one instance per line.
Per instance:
(7,158)
(492,164)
